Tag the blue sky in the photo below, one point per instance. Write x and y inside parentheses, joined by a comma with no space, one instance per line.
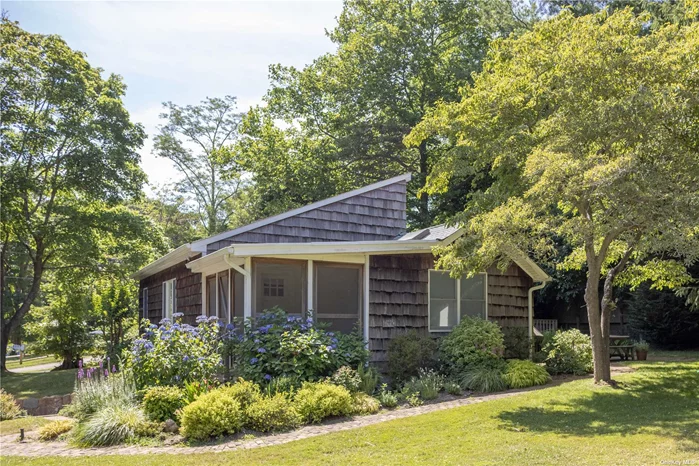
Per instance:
(184,51)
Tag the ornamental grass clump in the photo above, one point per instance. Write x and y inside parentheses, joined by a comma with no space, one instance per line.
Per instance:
(109,426)
(522,374)
(55,429)
(97,388)
(213,414)
(427,384)
(316,401)
(275,344)
(9,409)
(484,378)
(176,353)
(569,352)
(363,404)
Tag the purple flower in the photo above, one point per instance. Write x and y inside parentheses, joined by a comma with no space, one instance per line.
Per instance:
(265,328)
(165,321)
(152,326)
(230,327)
(80,363)
(261,350)
(178,314)
(268,377)
(185,358)
(253,360)
(201,319)
(106,373)
(100,364)
(80,374)
(213,319)
(113,367)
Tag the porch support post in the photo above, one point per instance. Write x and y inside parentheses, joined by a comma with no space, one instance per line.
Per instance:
(365,296)
(310,304)
(247,292)
(203,294)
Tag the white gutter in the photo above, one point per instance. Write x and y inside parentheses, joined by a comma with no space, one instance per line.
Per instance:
(530,304)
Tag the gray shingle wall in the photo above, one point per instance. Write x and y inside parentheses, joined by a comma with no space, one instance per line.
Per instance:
(372,216)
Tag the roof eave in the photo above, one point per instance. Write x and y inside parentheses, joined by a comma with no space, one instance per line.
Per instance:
(173,257)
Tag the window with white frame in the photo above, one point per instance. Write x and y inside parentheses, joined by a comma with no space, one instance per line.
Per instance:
(451,299)
(144,298)
(169,298)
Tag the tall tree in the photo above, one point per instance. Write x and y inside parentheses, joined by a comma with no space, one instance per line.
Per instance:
(394,61)
(196,139)
(169,210)
(68,159)
(589,128)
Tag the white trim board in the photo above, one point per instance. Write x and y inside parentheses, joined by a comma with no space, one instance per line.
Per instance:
(202,243)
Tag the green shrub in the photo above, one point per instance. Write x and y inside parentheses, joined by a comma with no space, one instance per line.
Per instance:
(348,378)
(287,386)
(484,378)
(53,429)
(472,343)
(516,341)
(387,398)
(213,414)
(569,352)
(148,428)
(363,404)
(110,425)
(369,379)
(522,374)
(94,392)
(272,414)
(175,353)
(244,392)
(427,384)
(275,344)
(409,352)
(414,400)
(453,388)
(316,401)
(162,403)
(8,407)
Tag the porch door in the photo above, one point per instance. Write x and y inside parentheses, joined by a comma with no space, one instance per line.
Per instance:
(338,296)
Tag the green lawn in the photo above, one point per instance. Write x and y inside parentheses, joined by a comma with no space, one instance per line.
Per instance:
(38,384)
(652,417)
(27,423)
(36,361)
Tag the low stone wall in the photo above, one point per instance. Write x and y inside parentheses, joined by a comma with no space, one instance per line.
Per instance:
(44,406)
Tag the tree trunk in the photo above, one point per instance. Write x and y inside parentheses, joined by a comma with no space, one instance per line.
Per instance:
(599,336)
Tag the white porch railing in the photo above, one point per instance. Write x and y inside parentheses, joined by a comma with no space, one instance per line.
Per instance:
(546,325)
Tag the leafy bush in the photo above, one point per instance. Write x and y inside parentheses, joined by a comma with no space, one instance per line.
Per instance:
(348,378)
(484,378)
(569,352)
(244,392)
(369,379)
(287,386)
(427,384)
(272,414)
(453,388)
(162,403)
(472,343)
(193,389)
(148,428)
(172,354)
(8,407)
(363,404)
(316,401)
(96,390)
(278,345)
(387,398)
(212,414)
(414,399)
(109,426)
(53,429)
(516,341)
(522,374)
(409,352)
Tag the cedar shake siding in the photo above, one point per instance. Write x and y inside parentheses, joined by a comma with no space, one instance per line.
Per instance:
(508,296)
(376,215)
(188,293)
(398,299)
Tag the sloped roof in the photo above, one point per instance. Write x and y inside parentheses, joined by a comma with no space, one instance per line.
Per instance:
(434,233)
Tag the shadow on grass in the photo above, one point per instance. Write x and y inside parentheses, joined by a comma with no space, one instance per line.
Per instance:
(38,384)
(660,399)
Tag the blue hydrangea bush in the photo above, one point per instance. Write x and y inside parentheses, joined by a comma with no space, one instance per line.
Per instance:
(276,344)
(174,353)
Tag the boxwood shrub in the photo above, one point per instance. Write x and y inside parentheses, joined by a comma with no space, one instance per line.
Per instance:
(272,414)
(316,401)
(213,414)
(162,403)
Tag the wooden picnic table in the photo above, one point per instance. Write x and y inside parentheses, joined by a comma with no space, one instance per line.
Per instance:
(618,347)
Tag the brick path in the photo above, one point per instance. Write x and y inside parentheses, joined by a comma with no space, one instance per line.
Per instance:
(10,446)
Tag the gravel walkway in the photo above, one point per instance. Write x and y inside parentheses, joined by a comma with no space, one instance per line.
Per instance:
(10,446)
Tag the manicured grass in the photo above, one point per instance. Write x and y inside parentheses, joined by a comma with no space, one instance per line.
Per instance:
(27,423)
(666,355)
(38,384)
(30,362)
(652,417)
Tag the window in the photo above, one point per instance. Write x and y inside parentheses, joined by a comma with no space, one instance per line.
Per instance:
(338,296)
(144,299)
(169,298)
(273,287)
(451,299)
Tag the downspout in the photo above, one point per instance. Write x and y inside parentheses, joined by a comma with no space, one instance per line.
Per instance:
(530,304)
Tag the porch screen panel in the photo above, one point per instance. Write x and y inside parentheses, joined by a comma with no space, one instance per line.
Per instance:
(443,304)
(473,296)
(338,298)
(238,293)
(223,295)
(211,295)
(280,285)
